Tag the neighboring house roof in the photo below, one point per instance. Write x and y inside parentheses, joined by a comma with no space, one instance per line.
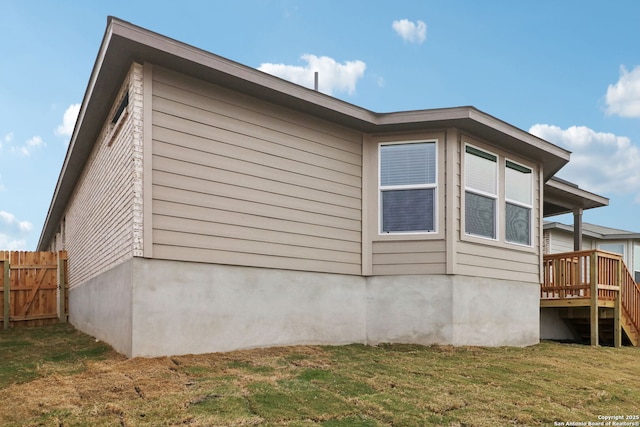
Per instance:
(595,231)
(562,197)
(124,43)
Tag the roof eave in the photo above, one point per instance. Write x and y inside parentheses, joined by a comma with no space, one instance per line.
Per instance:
(565,197)
(125,43)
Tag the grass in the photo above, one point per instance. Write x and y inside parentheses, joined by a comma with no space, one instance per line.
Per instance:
(57,376)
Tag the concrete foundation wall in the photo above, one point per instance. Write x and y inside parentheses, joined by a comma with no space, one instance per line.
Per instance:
(183,308)
(156,307)
(409,309)
(102,307)
(489,312)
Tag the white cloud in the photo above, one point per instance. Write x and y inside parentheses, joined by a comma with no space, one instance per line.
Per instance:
(600,162)
(332,76)
(68,120)
(11,230)
(7,139)
(8,243)
(11,220)
(410,31)
(27,148)
(623,98)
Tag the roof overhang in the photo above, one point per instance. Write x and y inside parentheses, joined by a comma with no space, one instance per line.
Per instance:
(614,235)
(125,43)
(561,197)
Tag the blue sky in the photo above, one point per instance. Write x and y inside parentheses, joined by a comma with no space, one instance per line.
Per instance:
(568,71)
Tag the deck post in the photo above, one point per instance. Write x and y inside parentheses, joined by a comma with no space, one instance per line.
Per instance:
(617,330)
(7,294)
(577,229)
(593,274)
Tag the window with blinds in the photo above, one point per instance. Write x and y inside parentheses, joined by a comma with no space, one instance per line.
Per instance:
(408,187)
(518,203)
(481,192)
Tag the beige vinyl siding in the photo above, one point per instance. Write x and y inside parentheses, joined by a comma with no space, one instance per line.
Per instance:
(497,263)
(410,253)
(409,257)
(561,241)
(497,259)
(240,181)
(99,220)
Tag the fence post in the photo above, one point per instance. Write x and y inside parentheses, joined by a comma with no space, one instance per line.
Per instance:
(593,272)
(62,306)
(7,294)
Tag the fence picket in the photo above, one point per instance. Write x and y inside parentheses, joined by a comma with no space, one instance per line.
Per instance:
(32,282)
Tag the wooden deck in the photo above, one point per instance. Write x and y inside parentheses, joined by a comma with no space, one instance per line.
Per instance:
(599,280)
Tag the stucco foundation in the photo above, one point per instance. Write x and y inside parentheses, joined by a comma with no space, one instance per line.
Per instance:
(149,307)
(102,307)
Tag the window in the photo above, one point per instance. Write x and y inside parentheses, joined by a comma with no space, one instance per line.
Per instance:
(636,263)
(518,206)
(408,187)
(488,201)
(118,119)
(481,192)
(124,103)
(617,248)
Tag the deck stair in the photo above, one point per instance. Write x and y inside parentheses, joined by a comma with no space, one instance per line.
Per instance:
(596,294)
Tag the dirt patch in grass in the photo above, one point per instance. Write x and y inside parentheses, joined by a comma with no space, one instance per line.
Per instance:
(355,385)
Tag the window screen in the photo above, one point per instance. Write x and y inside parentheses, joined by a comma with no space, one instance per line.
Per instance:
(481,177)
(407,210)
(480,213)
(408,187)
(518,195)
(518,224)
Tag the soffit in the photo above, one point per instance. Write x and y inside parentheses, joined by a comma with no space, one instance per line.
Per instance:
(562,197)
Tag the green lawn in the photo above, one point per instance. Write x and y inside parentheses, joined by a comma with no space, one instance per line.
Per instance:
(57,376)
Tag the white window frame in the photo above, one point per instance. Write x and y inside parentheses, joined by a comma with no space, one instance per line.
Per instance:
(519,203)
(495,196)
(434,186)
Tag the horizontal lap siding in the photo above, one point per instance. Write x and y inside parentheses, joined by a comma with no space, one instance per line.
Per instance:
(497,263)
(409,257)
(503,261)
(239,181)
(560,242)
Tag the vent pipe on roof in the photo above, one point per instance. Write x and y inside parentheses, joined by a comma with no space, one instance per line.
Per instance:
(315,85)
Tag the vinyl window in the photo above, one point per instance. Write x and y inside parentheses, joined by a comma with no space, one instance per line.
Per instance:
(408,187)
(518,203)
(481,192)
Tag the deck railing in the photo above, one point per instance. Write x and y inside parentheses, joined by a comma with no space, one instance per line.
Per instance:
(597,275)
(630,299)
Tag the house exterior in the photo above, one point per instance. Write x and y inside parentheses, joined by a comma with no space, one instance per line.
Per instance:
(207,206)
(558,238)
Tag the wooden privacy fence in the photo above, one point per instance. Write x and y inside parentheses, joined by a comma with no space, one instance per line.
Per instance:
(33,288)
